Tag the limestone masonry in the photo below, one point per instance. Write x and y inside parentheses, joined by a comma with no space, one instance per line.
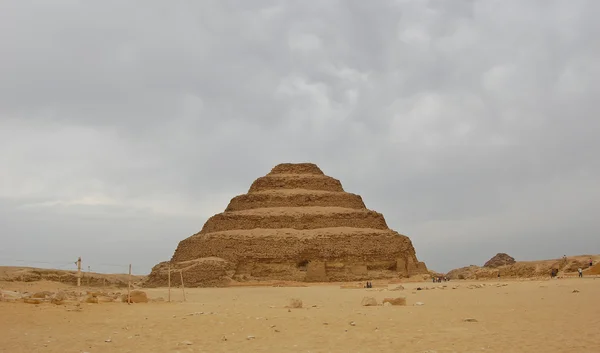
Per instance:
(294,224)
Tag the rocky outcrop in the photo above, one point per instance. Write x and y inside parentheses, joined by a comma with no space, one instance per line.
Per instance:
(89,279)
(294,224)
(501,259)
(524,269)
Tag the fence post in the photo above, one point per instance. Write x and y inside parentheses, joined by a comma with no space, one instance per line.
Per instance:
(129,287)
(182,285)
(79,276)
(169,281)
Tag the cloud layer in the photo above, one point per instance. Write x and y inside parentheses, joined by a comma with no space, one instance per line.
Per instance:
(471,125)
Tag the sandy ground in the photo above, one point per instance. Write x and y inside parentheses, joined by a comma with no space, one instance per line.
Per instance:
(523,316)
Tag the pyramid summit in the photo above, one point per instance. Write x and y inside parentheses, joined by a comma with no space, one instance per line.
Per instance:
(296,224)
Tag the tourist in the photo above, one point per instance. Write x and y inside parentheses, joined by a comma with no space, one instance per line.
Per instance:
(580,272)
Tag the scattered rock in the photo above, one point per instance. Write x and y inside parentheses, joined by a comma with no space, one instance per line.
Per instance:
(108,340)
(41,295)
(419,303)
(470,319)
(32,301)
(9,296)
(196,313)
(398,287)
(475,286)
(368,301)
(352,323)
(295,303)
(575,291)
(223,338)
(91,300)
(395,301)
(186,343)
(387,304)
(137,296)
(250,337)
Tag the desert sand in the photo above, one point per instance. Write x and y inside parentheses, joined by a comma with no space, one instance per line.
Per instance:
(510,316)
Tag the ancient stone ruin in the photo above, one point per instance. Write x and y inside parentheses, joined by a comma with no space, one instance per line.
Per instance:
(294,224)
(501,259)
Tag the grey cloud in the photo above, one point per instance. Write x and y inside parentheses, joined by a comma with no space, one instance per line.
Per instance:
(470,124)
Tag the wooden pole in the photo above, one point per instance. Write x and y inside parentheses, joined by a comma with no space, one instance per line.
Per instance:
(182,285)
(169,282)
(79,276)
(129,287)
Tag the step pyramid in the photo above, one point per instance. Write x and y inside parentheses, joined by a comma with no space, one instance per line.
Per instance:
(294,224)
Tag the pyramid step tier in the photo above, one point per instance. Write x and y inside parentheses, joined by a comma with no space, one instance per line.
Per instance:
(324,244)
(296,181)
(295,198)
(296,168)
(295,218)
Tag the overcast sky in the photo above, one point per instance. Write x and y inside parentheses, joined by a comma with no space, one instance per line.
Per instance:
(470,124)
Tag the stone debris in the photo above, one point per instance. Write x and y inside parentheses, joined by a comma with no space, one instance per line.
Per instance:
(186,343)
(398,287)
(137,296)
(419,303)
(32,301)
(575,291)
(250,337)
(196,313)
(470,319)
(42,295)
(399,301)
(352,323)
(387,304)
(368,301)
(9,296)
(295,303)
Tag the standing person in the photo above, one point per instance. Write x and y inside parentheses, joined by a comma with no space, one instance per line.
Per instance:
(591,262)
(580,272)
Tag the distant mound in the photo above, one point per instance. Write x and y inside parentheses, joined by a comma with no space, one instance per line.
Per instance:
(501,259)
(527,269)
(294,224)
(89,279)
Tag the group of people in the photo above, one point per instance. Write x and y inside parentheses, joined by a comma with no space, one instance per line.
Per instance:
(369,285)
(440,279)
